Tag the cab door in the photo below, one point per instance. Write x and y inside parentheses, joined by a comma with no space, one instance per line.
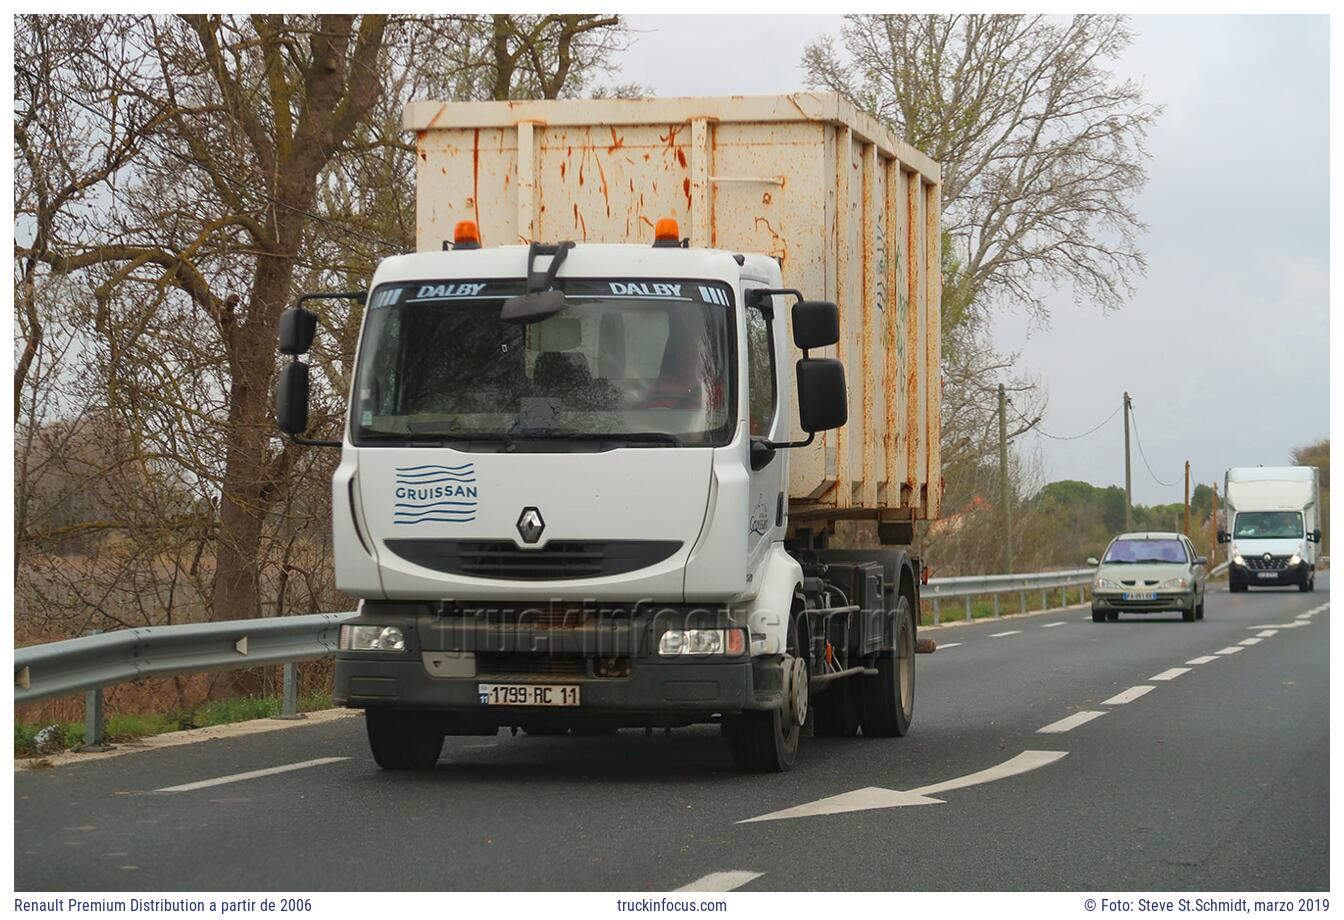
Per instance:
(767,422)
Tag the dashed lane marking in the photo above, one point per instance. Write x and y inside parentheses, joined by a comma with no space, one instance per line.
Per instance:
(1230,650)
(1011,632)
(943,645)
(722,881)
(251,774)
(1203,659)
(1068,723)
(1128,696)
(1253,640)
(1048,625)
(1266,633)
(1170,674)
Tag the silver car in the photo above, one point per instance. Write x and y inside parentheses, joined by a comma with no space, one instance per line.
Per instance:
(1146,573)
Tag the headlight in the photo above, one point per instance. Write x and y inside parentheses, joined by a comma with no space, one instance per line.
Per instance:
(1103,584)
(1295,559)
(1237,560)
(1175,583)
(702,642)
(372,639)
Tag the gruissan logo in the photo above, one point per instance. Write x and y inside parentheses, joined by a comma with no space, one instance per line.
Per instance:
(431,493)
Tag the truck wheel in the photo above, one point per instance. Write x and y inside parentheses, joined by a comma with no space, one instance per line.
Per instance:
(838,709)
(402,740)
(1308,584)
(1235,586)
(887,699)
(766,741)
(1098,616)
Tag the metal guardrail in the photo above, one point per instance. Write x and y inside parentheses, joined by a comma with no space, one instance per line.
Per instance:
(90,663)
(971,586)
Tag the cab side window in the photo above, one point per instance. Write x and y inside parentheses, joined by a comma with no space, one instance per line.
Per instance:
(762,397)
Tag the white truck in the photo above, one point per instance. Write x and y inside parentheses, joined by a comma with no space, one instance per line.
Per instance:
(1273,526)
(592,469)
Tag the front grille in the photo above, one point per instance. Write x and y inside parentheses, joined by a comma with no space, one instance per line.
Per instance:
(1272,564)
(531,666)
(1139,583)
(558,561)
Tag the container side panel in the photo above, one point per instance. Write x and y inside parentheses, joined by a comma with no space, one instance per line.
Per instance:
(912,340)
(934,373)
(870,348)
(892,331)
(920,295)
(845,259)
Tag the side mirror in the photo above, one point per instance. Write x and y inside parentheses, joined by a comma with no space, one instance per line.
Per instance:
(816,324)
(1201,560)
(1222,536)
(1315,536)
(822,402)
(1092,560)
(298,326)
(292,399)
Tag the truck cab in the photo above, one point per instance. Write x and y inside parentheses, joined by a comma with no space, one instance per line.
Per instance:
(562,504)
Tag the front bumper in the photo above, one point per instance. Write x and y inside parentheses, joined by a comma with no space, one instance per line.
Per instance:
(1165,600)
(621,678)
(1288,575)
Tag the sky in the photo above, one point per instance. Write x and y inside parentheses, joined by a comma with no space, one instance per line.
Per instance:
(1224,348)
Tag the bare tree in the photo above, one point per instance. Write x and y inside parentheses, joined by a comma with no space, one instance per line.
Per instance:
(1042,147)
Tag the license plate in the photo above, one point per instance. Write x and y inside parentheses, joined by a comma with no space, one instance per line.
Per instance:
(1140,595)
(529,694)
(1266,574)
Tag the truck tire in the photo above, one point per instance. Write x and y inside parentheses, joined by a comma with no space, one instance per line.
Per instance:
(887,699)
(1235,585)
(838,709)
(1308,583)
(1098,616)
(766,740)
(1189,615)
(402,740)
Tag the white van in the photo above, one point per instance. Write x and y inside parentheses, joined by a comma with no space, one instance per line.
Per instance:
(1273,526)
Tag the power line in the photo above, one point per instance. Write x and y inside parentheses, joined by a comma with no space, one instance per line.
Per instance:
(1139,441)
(1056,437)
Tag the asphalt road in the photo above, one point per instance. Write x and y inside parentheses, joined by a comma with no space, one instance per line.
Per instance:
(1215,779)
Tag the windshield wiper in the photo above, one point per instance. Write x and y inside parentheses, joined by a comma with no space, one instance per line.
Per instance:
(422,431)
(646,437)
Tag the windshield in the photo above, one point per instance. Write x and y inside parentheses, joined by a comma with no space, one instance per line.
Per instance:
(1124,551)
(647,362)
(1268,525)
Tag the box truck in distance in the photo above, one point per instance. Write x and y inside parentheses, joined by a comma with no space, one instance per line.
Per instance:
(604,423)
(1273,526)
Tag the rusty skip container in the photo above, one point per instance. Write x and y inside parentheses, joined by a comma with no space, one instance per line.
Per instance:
(850,211)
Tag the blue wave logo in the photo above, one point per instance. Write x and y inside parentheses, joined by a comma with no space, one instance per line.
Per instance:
(432,493)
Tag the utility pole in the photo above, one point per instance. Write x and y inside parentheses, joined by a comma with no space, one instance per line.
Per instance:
(1186,531)
(1129,499)
(1213,525)
(1005,501)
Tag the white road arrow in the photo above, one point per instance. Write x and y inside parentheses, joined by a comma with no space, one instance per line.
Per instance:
(875,797)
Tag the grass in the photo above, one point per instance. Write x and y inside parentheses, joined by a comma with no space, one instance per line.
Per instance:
(120,727)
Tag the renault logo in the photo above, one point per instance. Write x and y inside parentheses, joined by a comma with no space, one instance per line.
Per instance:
(530,525)
(1268,557)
